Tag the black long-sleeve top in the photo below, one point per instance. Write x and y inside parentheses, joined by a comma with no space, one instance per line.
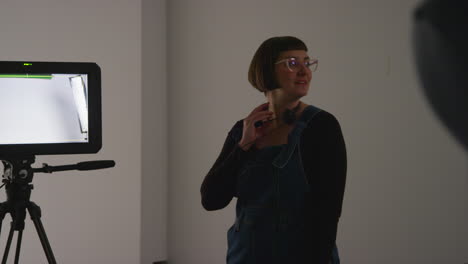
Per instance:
(323,153)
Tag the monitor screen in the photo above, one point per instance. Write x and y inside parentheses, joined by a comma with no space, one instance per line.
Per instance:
(49,108)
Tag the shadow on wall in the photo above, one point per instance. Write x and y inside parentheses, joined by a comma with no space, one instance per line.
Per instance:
(441,56)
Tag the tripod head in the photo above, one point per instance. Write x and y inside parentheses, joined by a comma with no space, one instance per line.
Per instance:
(18,170)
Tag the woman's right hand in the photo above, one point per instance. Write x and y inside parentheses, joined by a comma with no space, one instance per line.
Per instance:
(251,133)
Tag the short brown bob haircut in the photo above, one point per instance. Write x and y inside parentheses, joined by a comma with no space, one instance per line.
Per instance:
(262,68)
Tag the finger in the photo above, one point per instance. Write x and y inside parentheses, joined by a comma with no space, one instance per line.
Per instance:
(264,115)
(268,122)
(263,123)
(260,133)
(260,107)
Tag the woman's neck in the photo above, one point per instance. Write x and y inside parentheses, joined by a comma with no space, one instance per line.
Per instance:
(278,104)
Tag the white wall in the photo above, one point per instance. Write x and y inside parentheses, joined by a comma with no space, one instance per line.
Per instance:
(406,198)
(94,216)
(154,131)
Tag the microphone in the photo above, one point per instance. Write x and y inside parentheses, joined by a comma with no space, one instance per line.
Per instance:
(260,123)
(288,117)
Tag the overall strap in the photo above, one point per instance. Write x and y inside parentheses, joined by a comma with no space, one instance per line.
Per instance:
(309,113)
(293,138)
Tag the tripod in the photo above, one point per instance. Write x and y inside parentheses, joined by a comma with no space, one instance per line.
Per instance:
(18,176)
(17,180)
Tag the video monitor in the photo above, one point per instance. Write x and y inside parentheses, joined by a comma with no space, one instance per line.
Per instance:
(49,108)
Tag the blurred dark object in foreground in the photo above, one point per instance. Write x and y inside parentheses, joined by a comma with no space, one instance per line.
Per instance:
(440,43)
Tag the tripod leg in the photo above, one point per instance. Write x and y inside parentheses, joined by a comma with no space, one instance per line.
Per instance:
(18,246)
(3,212)
(7,248)
(35,213)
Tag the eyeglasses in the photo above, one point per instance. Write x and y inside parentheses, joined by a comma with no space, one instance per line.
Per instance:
(294,65)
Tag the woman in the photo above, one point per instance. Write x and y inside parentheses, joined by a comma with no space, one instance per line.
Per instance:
(286,164)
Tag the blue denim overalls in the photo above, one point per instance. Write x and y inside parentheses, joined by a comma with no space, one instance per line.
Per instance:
(271,190)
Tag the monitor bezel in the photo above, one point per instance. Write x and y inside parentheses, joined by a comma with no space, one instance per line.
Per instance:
(93,72)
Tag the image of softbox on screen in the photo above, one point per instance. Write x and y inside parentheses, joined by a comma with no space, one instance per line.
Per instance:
(50,108)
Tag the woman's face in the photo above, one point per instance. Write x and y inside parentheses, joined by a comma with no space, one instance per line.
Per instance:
(294,81)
